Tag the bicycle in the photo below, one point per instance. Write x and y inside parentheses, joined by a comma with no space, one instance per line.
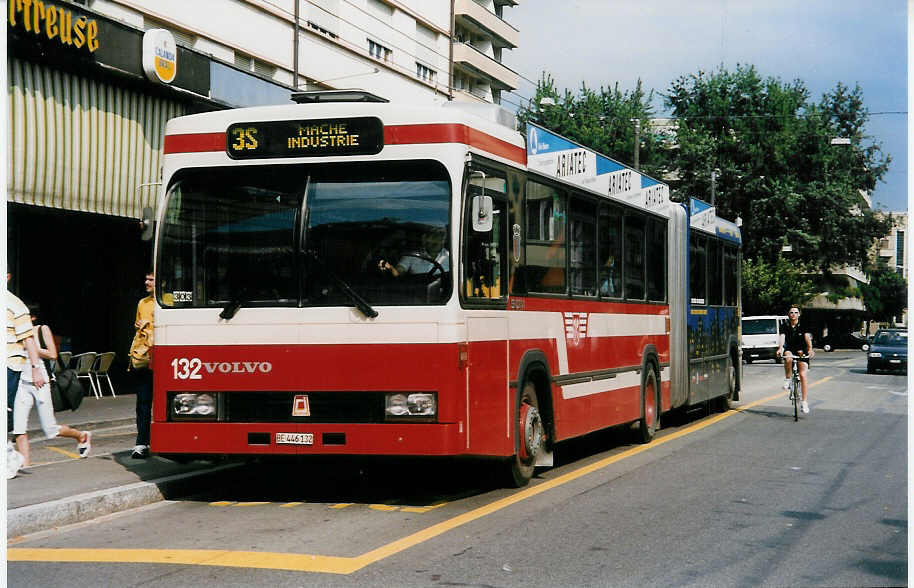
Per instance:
(796,390)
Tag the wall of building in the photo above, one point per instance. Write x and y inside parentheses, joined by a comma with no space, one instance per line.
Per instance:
(336,40)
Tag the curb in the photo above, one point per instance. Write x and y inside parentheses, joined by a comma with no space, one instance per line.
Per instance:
(83,507)
(38,433)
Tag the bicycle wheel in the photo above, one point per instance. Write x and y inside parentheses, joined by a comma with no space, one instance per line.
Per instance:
(795,393)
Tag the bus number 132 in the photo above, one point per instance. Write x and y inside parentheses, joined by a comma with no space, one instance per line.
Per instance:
(187,369)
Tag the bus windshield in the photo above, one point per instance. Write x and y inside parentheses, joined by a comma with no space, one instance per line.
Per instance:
(306,235)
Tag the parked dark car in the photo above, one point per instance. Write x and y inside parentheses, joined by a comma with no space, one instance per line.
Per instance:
(889,351)
(831,342)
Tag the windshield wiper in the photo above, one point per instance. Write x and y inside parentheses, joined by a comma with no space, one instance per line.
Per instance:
(345,288)
(230,309)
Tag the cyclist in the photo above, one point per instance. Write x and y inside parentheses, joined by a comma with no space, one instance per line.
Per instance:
(795,341)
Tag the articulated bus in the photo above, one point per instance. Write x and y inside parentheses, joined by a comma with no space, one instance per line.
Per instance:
(349,276)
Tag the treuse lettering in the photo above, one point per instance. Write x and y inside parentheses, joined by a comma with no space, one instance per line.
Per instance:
(55,23)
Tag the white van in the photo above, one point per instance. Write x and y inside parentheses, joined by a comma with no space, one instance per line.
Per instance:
(760,337)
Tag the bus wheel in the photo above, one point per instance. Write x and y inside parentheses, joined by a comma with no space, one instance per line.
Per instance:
(650,407)
(530,435)
(723,402)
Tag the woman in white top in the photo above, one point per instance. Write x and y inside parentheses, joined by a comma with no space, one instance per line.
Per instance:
(28,396)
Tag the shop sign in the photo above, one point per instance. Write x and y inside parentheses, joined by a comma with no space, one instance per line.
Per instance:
(160,56)
(54,23)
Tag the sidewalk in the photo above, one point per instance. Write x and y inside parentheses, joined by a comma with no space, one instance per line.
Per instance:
(68,490)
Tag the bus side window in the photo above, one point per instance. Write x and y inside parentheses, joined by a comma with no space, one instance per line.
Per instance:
(715,273)
(731,276)
(698,247)
(583,248)
(634,256)
(486,253)
(610,251)
(656,260)
(545,248)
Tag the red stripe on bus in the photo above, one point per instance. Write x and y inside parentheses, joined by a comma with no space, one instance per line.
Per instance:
(393,135)
(577,305)
(194,143)
(453,133)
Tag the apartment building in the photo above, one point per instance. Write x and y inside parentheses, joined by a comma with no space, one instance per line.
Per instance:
(892,250)
(91,84)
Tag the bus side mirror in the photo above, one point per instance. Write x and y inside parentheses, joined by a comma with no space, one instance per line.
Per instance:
(482,214)
(148,224)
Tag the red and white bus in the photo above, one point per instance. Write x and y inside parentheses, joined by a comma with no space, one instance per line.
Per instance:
(345,275)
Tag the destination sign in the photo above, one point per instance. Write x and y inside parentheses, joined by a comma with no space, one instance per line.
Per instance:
(305,138)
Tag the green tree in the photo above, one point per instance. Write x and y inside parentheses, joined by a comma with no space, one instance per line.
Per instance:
(600,120)
(768,287)
(770,149)
(886,296)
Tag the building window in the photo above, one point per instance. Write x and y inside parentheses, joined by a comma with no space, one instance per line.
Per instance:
(242,61)
(248,63)
(899,248)
(322,30)
(463,82)
(378,51)
(423,72)
(181,38)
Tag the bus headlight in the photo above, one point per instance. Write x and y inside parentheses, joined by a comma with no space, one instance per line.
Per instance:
(187,404)
(417,404)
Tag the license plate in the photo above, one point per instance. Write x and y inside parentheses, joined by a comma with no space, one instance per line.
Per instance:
(295,438)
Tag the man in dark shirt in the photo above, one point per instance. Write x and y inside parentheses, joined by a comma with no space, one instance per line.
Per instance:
(796,343)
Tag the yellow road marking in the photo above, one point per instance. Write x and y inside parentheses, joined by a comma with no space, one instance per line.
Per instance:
(348,565)
(341,505)
(65,452)
(200,557)
(222,503)
(290,504)
(384,507)
(250,503)
(421,509)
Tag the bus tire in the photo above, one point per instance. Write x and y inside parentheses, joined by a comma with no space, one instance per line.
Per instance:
(529,435)
(650,404)
(723,402)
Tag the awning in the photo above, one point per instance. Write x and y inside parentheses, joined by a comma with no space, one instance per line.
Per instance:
(82,144)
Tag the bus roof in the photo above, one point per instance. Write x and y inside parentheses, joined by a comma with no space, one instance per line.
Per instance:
(483,130)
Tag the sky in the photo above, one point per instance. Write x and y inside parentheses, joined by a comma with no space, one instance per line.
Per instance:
(821,42)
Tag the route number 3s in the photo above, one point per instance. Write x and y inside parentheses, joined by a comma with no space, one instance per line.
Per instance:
(245,139)
(187,369)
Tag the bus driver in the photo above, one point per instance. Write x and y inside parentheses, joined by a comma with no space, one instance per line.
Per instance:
(420,262)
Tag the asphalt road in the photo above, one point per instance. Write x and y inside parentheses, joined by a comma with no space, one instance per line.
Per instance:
(744,498)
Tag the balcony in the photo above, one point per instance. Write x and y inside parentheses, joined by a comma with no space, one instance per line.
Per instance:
(474,16)
(481,64)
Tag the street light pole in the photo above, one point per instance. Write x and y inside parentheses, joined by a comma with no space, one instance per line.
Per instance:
(637,122)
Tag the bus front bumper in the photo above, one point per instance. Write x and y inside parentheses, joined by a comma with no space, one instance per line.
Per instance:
(414,439)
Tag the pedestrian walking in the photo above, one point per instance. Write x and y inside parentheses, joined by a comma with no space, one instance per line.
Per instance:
(21,354)
(141,364)
(36,392)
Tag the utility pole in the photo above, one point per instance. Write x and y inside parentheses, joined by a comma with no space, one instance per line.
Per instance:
(637,122)
(714,174)
(295,49)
